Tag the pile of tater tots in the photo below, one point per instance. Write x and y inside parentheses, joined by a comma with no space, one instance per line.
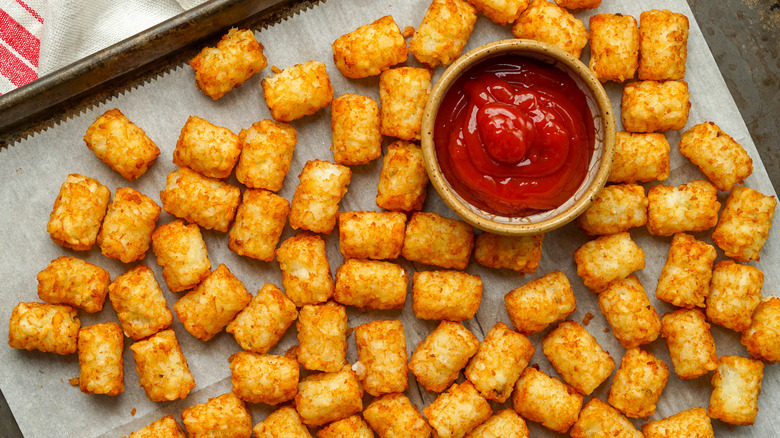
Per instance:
(648,54)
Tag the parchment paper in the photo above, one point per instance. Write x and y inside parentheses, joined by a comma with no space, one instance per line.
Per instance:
(36,384)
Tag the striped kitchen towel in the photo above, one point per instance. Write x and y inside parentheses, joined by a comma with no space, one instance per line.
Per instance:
(21,24)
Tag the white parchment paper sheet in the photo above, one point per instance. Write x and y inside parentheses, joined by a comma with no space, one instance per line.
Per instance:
(36,384)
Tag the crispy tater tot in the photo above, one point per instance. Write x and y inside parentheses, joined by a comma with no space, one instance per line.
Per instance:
(576,5)
(504,424)
(371,235)
(615,209)
(736,385)
(100,359)
(394,416)
(628,311)
(266,153)
(577,356)
(638,383)
(162,368)
(600,420)
(458,411)
(651,106)
(259,224)
(690,342)
(208,202)
(305,270)
(371,284)
(181,251)
(663,45)
(501,11)
(139,303)
(264,378)
(225,416)
(436,240)
(607,259)
(546,400)
(724,161)
(121,144)
(128,226)
(350,427)
(163,427)
(237,57)
(206,148)
(500,359)
(315,204)
(403,179)
(438,359)
(450,295)
(693,423)
(264,321)
(326,397)
(78,212)
(762,337)
(354,122)
(51,328)
(370,49)
(640,157)
(297,91)
(744,224)
(75,282)
(541,302)
(518,253)
(685,278)
(547,22)
(381,347)
(735,291)
(403,92)
(689,207)
(444,31)
(283,422)
(322,337)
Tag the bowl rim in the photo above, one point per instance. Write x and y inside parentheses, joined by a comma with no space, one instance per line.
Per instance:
(527,47)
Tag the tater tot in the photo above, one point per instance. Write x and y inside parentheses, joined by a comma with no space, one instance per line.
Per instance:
(724,161)
(744,224)
(607,259)
(690,342)
(689,207)
(600,420)
(128,226)
(403,92)
(266,153)
(139,303)
(735,291)
(499,360)
(164,427)
(640,157)
(685,278)
(663,45)
(78,212)
(259,224)
(237,57)
(501,11)
(458,411)
(693,423)
(547,22)
(371,284)
(576,5)
(206,310)
(181,251)
(736,385)
(315,204)
(162,368)
(577,357)
(436,240)
(381,347)
(541,302)
(326,397)
(444,31)
(762,337)
(450,295)
(305,270)
(518,253)
(283,422)
(628,311)
(438,359)
(504,424)
(350,427)
(371,235)
(322,337)
(208,202)
(615,209)
(403,179)
(75,282)
(546,400)
(297,91)
(638,383)
(264,378)
(264,321)
(100,359)
(370,49)
(51,328)
(651,106)
(354,122)
(394,416)
(225,416)
(121,144)
(206,148)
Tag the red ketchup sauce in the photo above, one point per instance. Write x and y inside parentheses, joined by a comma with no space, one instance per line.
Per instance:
(514,136)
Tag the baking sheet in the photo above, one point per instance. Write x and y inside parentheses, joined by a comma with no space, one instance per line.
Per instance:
(36,384)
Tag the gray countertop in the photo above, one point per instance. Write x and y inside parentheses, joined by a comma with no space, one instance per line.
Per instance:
(743,37)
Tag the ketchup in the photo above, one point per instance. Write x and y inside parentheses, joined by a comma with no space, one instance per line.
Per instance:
(514,136)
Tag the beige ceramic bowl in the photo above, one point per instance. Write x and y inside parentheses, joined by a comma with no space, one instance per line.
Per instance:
(599,166)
